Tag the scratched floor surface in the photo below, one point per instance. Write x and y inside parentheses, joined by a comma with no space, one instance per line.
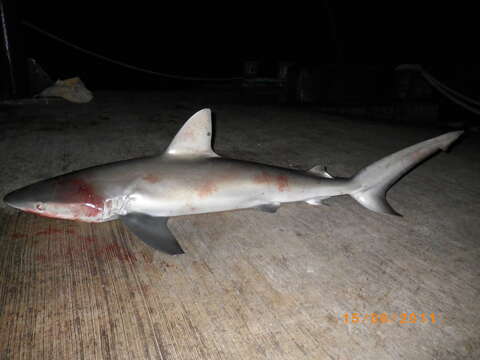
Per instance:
(251,285)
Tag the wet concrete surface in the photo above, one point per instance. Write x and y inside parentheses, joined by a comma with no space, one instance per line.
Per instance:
(251,285)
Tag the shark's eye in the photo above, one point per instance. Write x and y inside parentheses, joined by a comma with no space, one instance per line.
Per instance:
(40,207)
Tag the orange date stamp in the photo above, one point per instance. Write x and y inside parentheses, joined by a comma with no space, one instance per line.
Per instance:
(384,318)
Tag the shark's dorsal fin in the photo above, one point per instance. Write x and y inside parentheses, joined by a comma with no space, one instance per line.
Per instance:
(195,137)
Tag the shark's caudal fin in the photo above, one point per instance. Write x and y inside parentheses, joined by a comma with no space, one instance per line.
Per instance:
(373,182)
(195,137)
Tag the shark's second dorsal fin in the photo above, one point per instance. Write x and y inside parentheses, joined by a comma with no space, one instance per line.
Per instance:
(195,137)
(321,171)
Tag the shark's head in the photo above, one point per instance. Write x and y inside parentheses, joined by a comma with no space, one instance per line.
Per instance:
(65,197)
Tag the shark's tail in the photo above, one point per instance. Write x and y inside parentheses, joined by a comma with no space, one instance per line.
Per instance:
(372,182)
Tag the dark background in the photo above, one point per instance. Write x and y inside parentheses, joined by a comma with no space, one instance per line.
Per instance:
(212,40)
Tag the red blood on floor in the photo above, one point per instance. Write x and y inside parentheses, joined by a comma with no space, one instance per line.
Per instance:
(49,231)
(18,235)
(41,258)
(88,239)
(116,251)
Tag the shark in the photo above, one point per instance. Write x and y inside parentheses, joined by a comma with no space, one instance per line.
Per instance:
(189,177)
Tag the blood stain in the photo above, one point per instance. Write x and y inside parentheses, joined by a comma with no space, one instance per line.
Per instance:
(280,181)
(88,239)
(51,231)
(152,179)
(211,186)
(116,251)
(206,189)
(263,178)
(41,258)
(79,192)
(69,252)
(18,235)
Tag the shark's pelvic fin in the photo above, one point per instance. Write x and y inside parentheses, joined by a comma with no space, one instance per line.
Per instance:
(152,231)
(321,171)
(372,182)
(195,137)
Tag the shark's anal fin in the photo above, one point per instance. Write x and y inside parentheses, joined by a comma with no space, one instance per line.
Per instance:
(270,207)
(153,231)
(195,137)
(317,201)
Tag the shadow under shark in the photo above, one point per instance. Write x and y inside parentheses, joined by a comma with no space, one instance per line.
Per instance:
(190,178)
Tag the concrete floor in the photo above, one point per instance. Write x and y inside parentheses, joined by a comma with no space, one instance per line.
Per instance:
(251,285)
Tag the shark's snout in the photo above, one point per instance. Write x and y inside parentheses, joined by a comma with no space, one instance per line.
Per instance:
(12,199)
(28,197)
(7,199)
(66,197)
(21,199)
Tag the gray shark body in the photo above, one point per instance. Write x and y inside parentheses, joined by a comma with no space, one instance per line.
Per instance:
(190,178)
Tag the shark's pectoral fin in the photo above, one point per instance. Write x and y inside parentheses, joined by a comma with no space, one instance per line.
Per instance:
(270,207)
(153,231)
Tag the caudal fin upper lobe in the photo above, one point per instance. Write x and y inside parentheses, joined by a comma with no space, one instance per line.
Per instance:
(372,182)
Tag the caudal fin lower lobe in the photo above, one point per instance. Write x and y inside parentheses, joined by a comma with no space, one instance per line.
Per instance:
(372,182)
